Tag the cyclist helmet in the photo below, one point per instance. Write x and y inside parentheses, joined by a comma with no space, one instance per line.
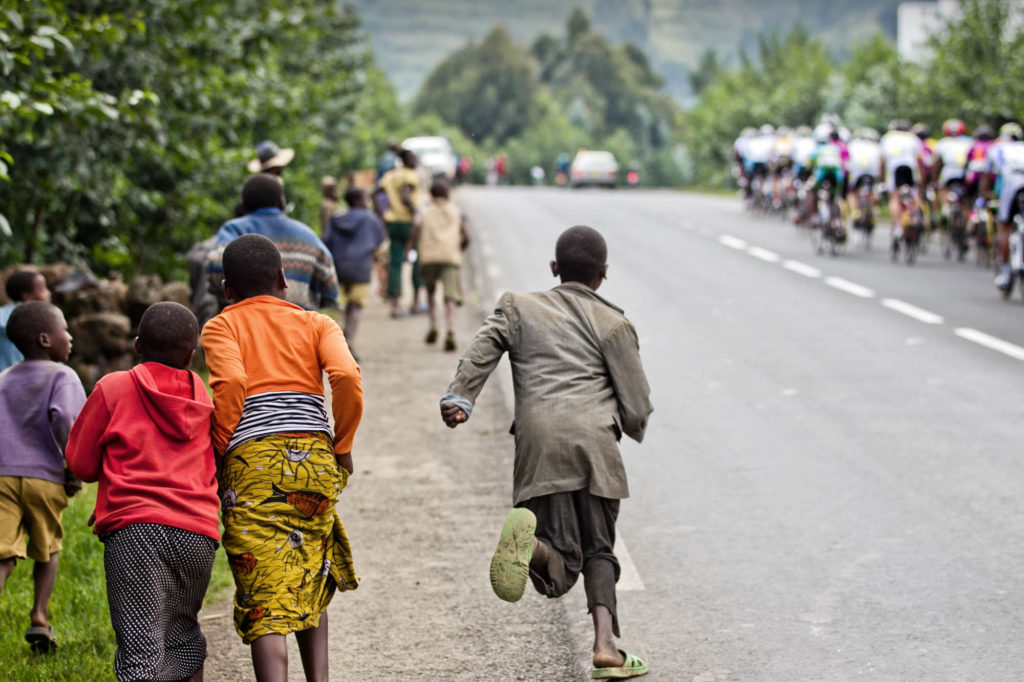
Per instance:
(767,129)
(749,131)
(804,131)
(921,130)
(984,132)
(954,127)
(783,131)
(1011,130)
(822,132)
(899,124)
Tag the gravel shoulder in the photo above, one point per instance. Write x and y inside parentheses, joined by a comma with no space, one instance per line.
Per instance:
(423,512)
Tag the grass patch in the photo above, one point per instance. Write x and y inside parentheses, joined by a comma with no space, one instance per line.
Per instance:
(78,609)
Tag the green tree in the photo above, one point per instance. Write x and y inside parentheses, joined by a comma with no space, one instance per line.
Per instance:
(154,108)
(976,70)
(708,67)
(577,26)
(487,89)
(875,84)
(787,84)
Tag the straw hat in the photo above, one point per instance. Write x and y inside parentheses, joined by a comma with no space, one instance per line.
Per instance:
(269,155)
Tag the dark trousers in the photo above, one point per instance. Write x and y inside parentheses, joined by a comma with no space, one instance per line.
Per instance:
(579,529)
(399,233)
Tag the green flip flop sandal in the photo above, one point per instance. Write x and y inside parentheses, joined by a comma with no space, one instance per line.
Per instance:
(633,666)
(510,565)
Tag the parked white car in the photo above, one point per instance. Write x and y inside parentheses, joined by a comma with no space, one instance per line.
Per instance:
(594,168)
(435,154)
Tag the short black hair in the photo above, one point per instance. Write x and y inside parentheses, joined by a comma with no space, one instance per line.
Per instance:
(580,252)
(20,283)
(354,195)
(28,321)
(408,158)
(168,331)
(439,189)
(262,190)
(251,263)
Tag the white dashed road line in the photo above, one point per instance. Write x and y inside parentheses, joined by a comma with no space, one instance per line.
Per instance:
(913,311)
(764,254)
(849,287)
(732,242)
(991,342)
(802,268)
(920,314)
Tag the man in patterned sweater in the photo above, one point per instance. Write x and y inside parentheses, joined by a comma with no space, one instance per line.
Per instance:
(308,265)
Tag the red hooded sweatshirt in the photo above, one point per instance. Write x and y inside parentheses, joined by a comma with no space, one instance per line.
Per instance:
(144,435)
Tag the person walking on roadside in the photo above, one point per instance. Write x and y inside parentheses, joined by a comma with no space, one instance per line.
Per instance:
(329,203)
(388,160)
(144,434)
(282,465)
(40,397)
(401,187)
(21,286)
(440,231)
(308,265)
(579,385)
(270,158)
(353,238)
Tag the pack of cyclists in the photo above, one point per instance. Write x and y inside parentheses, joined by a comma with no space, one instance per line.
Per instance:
(969,185)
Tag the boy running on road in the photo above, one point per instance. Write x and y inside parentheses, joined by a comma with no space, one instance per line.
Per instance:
(579,386)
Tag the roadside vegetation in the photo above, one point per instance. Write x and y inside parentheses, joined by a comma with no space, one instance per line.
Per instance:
(562,93)
(126,126)
(577,90)
(975,72)
(125,132)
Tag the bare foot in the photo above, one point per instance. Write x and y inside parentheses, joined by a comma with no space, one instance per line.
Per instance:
(608,659)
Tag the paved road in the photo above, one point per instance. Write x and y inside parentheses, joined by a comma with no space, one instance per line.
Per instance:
(832,485)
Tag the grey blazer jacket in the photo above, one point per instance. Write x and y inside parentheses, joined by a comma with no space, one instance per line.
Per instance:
(579,386)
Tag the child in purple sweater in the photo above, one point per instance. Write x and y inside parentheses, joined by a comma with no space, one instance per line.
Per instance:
(39,400)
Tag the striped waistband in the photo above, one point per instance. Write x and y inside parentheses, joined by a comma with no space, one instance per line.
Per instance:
(281,412)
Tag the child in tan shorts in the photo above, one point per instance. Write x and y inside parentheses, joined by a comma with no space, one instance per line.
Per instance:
(39,400)
(440,233)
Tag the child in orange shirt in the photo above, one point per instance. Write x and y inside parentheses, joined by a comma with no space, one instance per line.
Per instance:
(282,466)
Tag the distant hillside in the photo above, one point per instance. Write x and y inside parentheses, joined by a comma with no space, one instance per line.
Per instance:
(410,37)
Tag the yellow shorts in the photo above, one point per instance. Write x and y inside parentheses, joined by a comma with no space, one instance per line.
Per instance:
(30,507)
(356,293)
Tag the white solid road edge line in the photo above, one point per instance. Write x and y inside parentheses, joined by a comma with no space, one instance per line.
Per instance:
(629,577)
(802,268)
(849,287)
(764,254)
(913,311)
(991,342)
(732,242)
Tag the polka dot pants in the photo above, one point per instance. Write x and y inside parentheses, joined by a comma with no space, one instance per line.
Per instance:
(156,580)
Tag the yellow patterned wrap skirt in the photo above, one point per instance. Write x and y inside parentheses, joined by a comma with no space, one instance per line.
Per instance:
(285,543)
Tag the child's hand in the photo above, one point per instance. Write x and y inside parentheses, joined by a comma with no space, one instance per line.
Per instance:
(453,415)
(71,483)
(345,461)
